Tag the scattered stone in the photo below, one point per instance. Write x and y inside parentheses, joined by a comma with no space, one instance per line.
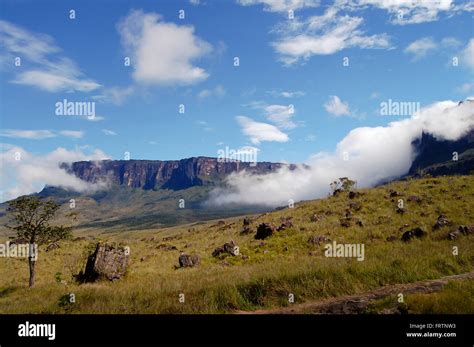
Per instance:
(108,261)
(245,257)
(403,226)
(348,214)
(356,206)
(410,234)
(454,235)
(220,223)
(466,229)
(142,259)
(286,249)
(262,244)
(285,223)
(414,198)
(392,238)
(400,210)
(266,251)
(264,230)
(54,245)
(169,238)
(441,222)
(229,248)
(360,223)
(353,195)
(245,230)
(188,260)
(312,253)
(302,229)
(166,247)
(246,221)
(80,238)
(316,240)
(315,218)
(345,222)
(393,193)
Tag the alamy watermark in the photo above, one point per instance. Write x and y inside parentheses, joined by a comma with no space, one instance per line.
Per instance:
(76,108)
(245,154)
(19,250)
(345,250)
(399,108)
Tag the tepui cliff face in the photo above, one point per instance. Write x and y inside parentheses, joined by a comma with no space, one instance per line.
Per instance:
(169,174)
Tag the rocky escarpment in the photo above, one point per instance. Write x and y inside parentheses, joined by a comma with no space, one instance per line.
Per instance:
(436,156)
(170,174)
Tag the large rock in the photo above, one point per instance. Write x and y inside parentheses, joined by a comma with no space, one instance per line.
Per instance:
(414,233)
(228,248)
(109,261)
(285,223)
(441,222)
(264,230)
(188,260)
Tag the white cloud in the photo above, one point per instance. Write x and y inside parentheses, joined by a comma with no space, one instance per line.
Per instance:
(375,154)
(281,116)
(218,92)
(286,94)
(162,53)
(109,132)
(337,107)
(280,5)
(114,95)
(45,67)
(39,134)
(31,173)
(324,35)
(258,132)
(71,133)
(409,11)
(467,56)
(421,47)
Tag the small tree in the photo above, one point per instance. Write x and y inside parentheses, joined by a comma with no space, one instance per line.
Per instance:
(31,217)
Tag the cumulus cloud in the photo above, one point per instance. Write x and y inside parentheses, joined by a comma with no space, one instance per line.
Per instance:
(48,69)
(374,153)
(324,35)
(337,107)
(23,173)
(40,134)
(280,5)
(162,53)
(258,132)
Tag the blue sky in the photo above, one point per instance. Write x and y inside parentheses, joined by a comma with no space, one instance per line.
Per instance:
(190,61)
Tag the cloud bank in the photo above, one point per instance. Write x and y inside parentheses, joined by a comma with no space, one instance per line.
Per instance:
(23,173)
(374,153)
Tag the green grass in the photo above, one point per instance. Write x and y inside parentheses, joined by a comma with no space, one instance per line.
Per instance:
(285,264)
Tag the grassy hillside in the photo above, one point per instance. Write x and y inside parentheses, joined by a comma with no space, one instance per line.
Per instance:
(267,271)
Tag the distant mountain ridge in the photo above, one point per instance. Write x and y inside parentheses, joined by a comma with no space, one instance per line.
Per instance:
(167,174)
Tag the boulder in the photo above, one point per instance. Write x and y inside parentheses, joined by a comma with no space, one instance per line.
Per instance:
(166,247)
(52,246)
(246,221)
(228,248)
(356,206)
(345,222)
(264,230)
(315,218)
(392,238)
(413,233)
(466,229)
(188,260)
(285,223)
(109,261)
(415,198)
(245,230)
(441,222)
(393,193)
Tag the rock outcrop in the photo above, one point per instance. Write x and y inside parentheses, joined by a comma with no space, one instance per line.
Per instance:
(109,261)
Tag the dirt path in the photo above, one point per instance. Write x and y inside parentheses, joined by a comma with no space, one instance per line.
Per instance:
(353,304)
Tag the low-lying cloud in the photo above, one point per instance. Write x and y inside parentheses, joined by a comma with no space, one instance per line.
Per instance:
(24,173)
(374,154)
